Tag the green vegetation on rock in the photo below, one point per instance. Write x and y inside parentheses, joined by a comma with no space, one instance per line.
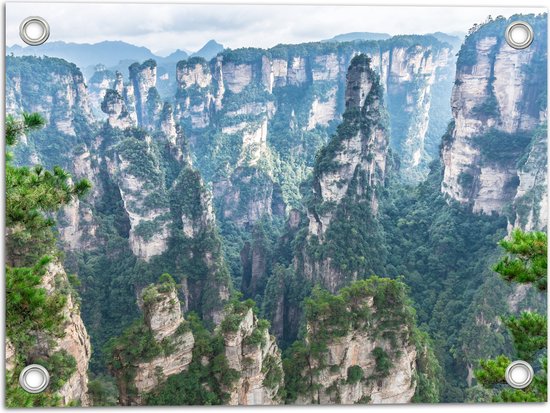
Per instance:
(204,381)
(31,311)
(526,265)
(377,309)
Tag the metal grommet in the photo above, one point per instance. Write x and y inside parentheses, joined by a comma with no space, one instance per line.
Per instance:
(519,35)
(519,374)
(34,378)
(34,30)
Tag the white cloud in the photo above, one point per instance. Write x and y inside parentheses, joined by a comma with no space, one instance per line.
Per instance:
(173,26)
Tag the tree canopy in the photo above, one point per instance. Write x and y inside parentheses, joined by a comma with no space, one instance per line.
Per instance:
(525,264)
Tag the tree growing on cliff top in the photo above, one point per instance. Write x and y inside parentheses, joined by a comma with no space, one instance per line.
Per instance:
(525,263)
(526,260)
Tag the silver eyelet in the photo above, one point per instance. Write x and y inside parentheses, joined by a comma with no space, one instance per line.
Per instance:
(34,378)
(519,374)
(519,35)
(34,31)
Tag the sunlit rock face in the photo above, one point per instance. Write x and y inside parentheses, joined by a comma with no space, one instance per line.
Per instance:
(248,97)
(351,169)
(498,131)
(252,351)
(59,94)
(144,80)
(164,319)
(75,340)
(361,361)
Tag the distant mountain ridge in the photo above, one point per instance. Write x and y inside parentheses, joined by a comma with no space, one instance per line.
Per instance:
(454,39)
(354,36)
(109,53)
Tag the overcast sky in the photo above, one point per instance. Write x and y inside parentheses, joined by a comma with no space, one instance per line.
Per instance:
(167,27)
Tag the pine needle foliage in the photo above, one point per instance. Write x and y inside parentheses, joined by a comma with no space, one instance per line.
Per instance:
(34,316)
(525,264)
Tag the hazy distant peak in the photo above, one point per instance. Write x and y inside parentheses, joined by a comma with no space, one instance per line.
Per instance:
(109,52)
(209,50)
(176,56)
(454,39)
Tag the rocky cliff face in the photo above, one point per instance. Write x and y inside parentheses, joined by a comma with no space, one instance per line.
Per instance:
(341,239)
(172,131)
(414,80)
(10,356)
(161,311)
(163,319)
(259,84)
(62,96)
(239,359)
(252,351)
(359,351)
(195,94)
(531,200)
(98,84)
(257,258)
(56,338)
(134,164)
(56,90)
(75,340)
(360,148)
(69,345)
(169,210)
(133,103)
(163,197)
(282,104)
(143,78)
(115,107)
(359,347)
(207,286)
(77,222)
(243,119)
(497,106)
(247,196)
(77,226)
(349,171)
